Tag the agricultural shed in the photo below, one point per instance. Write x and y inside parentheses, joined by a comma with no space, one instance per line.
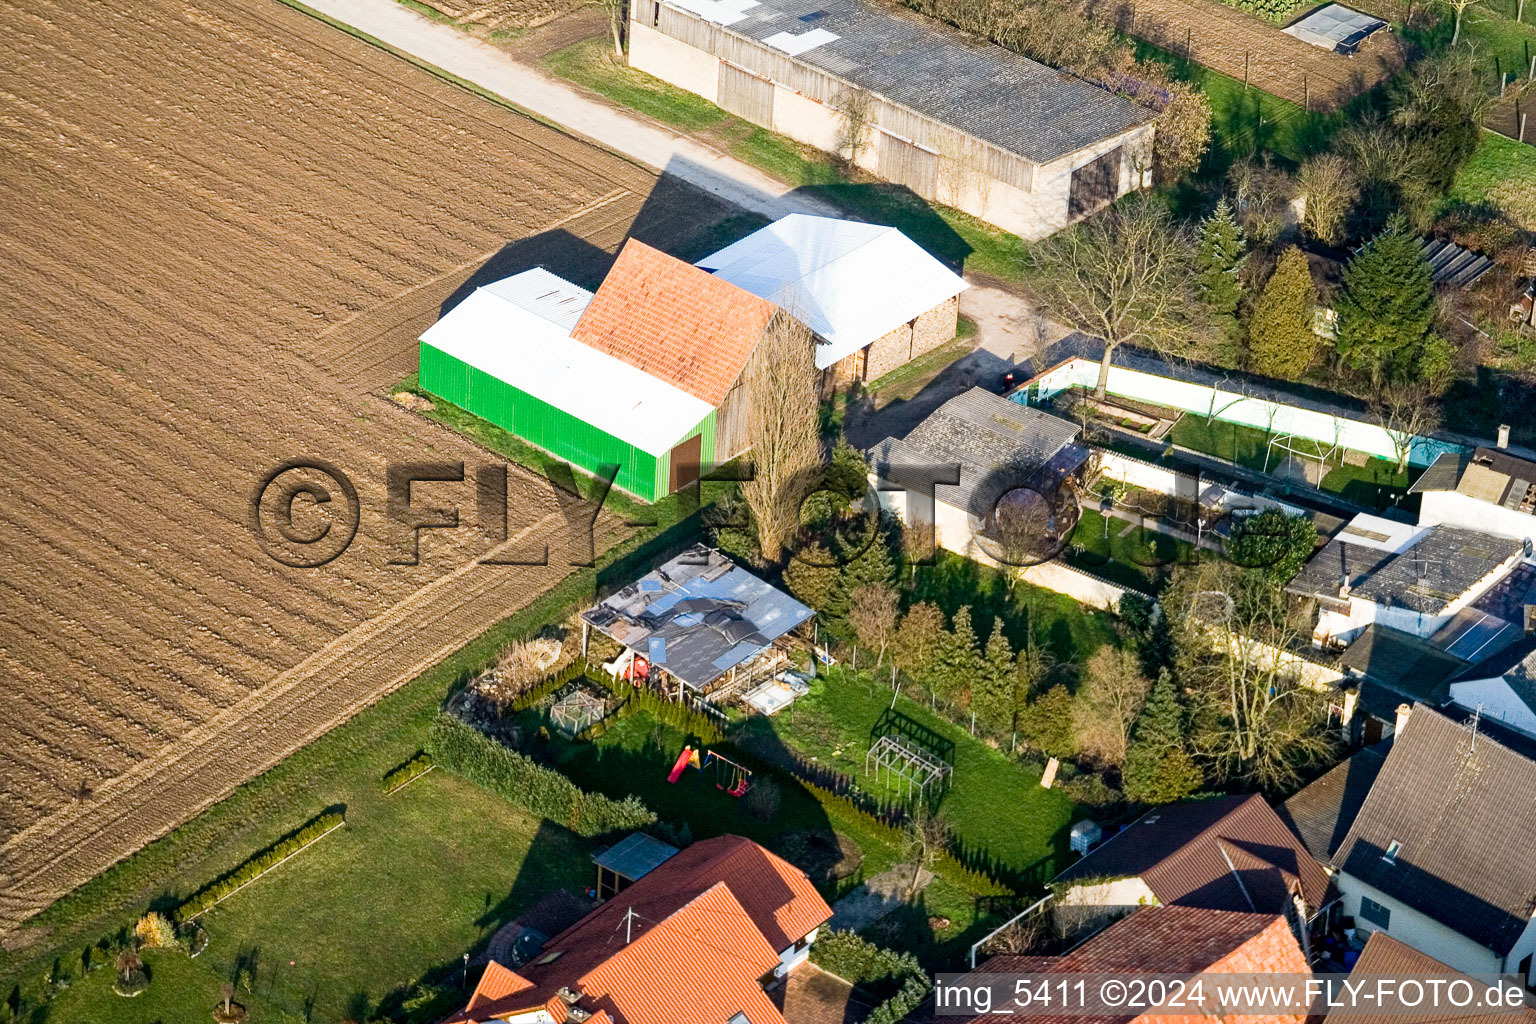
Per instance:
(953,118)
(643,374)
(1335,27)
(871,296)
(696,617)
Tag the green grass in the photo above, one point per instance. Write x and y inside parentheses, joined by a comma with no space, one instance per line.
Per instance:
(785,159)
(994,803)
(1501,172)
(180,989)
(909,378)
(591,63)
(1132,558)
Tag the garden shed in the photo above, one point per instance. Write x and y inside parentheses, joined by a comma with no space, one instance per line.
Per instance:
(646,374)
(1335,27)
(872,297)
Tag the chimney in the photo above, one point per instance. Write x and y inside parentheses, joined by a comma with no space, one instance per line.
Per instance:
(1503,435)
(1344,587)
(1403,711)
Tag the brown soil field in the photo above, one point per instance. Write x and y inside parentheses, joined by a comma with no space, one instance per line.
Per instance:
(1228,40)
(223,225)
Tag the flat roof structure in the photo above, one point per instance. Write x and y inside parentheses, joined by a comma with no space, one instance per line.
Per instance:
(851,283)
(983,90)
(697,616)
(1335,27)
(635,856)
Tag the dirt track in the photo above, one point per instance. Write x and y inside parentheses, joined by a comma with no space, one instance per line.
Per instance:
(223,226)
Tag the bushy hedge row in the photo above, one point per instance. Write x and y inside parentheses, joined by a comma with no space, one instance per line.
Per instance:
(465,751)
(1272,10)
(215,891)
(397,777)
(897,978)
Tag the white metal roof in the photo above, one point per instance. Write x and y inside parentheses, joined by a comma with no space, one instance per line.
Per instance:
(1335,27)
(518,330)
(1366,530)
(849,282)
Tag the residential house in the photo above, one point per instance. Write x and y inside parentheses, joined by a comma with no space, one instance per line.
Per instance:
(699,939)
(1439,853)
(1415,579)
(1384,955)
(871,296)
(1229,853)
(954,119)
(987,453)
(649,374)
(695,624)
(1502,688)
(1161,940)
(1322,812)
(1488,490)
(1389,671)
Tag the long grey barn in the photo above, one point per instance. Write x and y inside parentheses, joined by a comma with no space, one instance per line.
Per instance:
(957,120)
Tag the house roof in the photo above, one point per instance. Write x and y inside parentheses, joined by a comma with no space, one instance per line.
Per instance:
(1322,812)
(1157,940)
(1230,853)
(1399,667)
(850,283)
(1516,665)
(1384,955)
(980,88)
(1487,474)
(518,330)
(674,321)
(686,944)
(997,444)
(698,615)
(1440,565)
(1462,807)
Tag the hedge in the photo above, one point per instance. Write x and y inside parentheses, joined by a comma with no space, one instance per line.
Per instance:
(679,716)
(548,685)
(898,978)
(468,753)
(395,778)
(257,866)
(1271,10)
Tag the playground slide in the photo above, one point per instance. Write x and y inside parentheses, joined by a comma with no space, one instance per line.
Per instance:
(682,762)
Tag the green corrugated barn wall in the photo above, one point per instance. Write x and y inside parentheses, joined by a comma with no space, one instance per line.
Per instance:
(553,429)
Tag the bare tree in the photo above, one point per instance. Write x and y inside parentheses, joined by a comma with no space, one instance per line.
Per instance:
(1407,409)
(1262,195)
(1460,7)
(927,836)
(1330,189)
(855,110)
(1124,276)
(618,11)
(782,428)
(1114,689)
(872,614)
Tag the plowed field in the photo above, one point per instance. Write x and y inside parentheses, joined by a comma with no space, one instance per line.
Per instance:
(222,225)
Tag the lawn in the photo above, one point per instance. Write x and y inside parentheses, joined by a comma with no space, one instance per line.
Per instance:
(634,756)
(180,989)
(1125,554)
(592,63)
(1501,172)
(994,803)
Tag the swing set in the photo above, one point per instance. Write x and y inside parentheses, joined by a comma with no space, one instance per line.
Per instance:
(732,778)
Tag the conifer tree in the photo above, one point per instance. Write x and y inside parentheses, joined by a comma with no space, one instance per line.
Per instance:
(1218,261)
(1158,768)
(1049,723)
(1280,338)
(812,577)
(993,700)
(871,567)
(959,660)
(1387,307)
(915,648)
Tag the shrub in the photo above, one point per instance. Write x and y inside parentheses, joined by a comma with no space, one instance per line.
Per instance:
(154,932)
(131,976)
(762,800)
(254,868)
(897,978)
(397,777)
(470,754)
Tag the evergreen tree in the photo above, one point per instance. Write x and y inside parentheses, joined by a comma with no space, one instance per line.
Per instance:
(959,659)
(993,700)
(812,578)
(847,473)
(915,648)
(1218,262)
(1387,307)
(1280,339)
(1158,768)
(871,567)
(1050,722)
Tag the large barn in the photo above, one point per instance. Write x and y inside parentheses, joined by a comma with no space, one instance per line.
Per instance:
(956,120)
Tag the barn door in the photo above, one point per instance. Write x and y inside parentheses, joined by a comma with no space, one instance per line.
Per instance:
(746,95)
(907,164)
(686,458)
(1094,184)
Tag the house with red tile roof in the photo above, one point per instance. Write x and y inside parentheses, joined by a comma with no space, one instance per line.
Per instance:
(1230,853)
(700,939)
(1162,940)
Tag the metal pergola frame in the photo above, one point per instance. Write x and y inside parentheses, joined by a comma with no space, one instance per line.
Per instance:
(577,710)
(1290,442)
(915,767)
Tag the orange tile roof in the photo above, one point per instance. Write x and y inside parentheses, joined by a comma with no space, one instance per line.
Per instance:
(674,321)
(496,983)
(728,889)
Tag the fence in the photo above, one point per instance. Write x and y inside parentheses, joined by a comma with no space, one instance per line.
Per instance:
(1230,406)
